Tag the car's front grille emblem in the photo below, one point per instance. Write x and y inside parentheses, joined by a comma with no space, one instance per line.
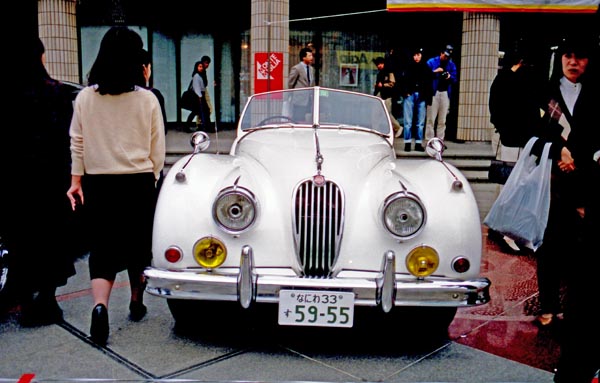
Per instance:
(318,225)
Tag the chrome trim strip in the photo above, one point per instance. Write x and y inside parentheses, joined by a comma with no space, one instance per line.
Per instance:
(386,294)
(245,279)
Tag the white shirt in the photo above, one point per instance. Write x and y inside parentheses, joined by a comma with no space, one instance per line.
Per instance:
(570,91)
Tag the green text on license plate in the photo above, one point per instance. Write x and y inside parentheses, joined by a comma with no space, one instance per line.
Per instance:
(316,308)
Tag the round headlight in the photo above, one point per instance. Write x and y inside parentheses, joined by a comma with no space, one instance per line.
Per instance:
(403,215)
(235,210)
(422,261)
(210,252)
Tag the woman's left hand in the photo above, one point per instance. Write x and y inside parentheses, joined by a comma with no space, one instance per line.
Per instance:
(566,162)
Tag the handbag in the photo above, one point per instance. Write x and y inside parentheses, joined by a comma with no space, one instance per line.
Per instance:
(499,170)
(189,99)
(521,209)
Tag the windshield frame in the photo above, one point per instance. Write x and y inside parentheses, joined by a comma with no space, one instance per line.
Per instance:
(322,108)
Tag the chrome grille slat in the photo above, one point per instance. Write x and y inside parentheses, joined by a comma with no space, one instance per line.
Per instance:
(318,223)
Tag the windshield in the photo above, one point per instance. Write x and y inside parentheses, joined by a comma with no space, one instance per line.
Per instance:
(332,108)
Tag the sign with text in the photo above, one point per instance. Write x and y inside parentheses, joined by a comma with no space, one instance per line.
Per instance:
(269,71)
(556,6)
(364,59)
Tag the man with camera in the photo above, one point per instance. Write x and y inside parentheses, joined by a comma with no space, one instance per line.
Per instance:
(444,77)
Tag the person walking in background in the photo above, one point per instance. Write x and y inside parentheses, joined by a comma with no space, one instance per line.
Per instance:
(205,60)
(201,112)
(444,77)
(302,75)
(415,87)
(118,152)
(515,102)
(384,88)
(570,122)
(40,230)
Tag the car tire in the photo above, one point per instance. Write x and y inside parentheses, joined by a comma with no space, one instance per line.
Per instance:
(193,316)
(427,325)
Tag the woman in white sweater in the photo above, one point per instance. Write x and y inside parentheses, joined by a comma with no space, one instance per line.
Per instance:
(117,151)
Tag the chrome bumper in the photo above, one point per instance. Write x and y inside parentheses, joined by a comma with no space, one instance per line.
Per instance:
(384,289)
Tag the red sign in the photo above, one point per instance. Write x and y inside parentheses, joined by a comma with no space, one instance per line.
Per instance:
(269,71)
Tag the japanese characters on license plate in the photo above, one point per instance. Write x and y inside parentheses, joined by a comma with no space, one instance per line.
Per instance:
(316,308)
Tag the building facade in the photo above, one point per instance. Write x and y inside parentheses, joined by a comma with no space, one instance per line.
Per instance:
(253,47)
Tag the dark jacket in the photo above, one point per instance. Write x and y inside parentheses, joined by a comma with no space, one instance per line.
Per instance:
(515,102)
(576,187)
(416,77)
(387,78)
(42,233)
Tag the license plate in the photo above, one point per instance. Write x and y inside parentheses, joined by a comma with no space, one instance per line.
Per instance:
(316,308)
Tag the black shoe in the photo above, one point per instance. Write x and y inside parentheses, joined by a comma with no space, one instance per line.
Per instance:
(41,312)
(99,327)
(407,147)
(419,147)
(137,311)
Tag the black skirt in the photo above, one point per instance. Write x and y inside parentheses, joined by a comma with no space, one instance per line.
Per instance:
(119,211)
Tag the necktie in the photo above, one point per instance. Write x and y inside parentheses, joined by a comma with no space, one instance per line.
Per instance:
(308,74)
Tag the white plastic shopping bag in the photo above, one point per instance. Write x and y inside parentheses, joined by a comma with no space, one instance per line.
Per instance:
(521,209)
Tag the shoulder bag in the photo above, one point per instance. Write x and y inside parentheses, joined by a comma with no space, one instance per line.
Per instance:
(189,99)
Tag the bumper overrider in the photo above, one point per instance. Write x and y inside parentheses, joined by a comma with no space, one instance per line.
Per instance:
(383,288)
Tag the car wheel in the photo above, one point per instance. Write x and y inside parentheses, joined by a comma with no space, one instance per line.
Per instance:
(185,312)
(195,316)
(433,322)
(415,326)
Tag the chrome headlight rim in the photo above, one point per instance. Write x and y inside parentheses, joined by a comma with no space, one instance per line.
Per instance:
(408,196)
(245,194)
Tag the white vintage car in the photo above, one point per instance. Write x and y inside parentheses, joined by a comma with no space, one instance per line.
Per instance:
(312,213)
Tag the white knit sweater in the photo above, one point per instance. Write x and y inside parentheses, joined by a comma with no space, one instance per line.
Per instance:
(121,134)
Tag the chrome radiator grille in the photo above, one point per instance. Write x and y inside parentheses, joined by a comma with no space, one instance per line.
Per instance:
(318,224)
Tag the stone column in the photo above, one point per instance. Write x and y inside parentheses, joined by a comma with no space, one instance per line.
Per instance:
(57,27)
(479,65)
(269,32)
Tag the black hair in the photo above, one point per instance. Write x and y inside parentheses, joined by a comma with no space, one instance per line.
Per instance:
(117,68)
(196,67)
(582,46)
(304,52)
(145,57)
(521,50)
(35,71)
(205,59)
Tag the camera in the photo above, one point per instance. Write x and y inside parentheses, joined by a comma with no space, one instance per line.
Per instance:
(444,74)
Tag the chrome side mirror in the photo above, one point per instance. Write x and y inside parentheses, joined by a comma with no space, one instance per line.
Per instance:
(435,148)
(199,141)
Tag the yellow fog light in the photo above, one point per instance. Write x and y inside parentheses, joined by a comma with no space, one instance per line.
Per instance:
(210,252)
(422,261)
